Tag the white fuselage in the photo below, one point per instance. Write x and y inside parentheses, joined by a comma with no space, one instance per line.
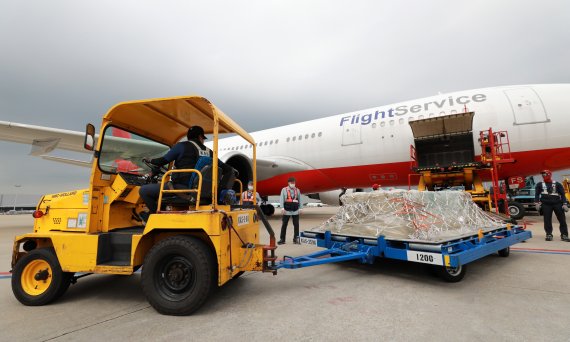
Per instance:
(535,116)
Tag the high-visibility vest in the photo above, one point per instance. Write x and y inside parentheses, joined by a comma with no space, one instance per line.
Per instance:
(247,196)
(292,201)
(551,197)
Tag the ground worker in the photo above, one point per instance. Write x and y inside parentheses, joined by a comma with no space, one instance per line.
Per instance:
(291,203)
(549,195)
(248,195)
(184,154)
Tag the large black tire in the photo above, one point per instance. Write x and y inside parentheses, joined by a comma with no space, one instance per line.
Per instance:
(37,278)
(178,275)
(516,210)
(505,252)
(451,274)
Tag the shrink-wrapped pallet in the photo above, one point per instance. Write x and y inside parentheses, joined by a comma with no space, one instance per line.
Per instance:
(410,215)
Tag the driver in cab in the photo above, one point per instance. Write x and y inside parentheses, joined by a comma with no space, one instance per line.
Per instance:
(185,154)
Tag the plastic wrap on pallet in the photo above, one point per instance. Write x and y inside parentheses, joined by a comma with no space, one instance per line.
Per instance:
(416,215)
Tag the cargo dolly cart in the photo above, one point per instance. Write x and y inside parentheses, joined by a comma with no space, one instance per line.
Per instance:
(450,256)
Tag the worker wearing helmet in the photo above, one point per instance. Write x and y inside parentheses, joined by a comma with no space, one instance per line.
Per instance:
(549,195)
(291,203)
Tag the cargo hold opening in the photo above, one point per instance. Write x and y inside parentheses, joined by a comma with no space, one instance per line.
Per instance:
(444,141)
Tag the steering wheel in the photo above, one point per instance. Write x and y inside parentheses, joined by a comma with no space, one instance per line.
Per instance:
(156,172)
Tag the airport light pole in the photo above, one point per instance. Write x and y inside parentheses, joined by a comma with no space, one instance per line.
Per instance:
(16,194)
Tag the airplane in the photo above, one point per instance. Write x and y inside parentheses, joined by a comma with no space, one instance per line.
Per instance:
(357,149)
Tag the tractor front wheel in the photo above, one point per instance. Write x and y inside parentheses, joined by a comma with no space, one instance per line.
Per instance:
(37,278)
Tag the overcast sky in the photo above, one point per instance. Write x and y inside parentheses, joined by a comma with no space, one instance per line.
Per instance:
(265,63)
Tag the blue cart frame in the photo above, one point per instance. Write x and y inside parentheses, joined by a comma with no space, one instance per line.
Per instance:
(452,255)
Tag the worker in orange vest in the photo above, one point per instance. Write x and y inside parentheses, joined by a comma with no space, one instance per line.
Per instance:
(291,207)
(248,195)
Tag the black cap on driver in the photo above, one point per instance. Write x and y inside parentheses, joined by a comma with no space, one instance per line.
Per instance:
(195,132)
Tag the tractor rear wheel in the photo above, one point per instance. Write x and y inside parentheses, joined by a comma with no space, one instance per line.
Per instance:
(37,278)
(178,275)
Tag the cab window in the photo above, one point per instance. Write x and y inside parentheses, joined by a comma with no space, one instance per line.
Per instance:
(123,151)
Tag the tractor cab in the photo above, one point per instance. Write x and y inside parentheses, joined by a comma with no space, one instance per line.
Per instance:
(199,237)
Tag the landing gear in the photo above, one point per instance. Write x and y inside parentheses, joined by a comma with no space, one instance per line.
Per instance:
(267,209)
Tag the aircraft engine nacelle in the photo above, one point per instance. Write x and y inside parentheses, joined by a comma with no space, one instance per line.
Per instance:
(332,197)
(242,164)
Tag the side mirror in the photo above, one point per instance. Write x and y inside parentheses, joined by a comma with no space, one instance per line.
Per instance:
(89,143)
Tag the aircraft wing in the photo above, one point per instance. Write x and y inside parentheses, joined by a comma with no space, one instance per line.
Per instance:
(42,139)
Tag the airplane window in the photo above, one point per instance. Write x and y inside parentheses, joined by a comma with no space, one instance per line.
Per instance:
(320,134)
(453,111)
(442,113)
(411,118)
(391,122)
(306,136)
(271,142)
(374,125)
(294,138)
(300,137)
(391,135)
(420,117)
(430,115)
(288,139)
(313,135)
(382,124)
(276,141)
(401,121)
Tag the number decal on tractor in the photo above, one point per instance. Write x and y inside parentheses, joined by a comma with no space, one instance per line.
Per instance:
(243,219)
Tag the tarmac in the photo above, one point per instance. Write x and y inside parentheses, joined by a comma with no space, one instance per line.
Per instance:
(525,297)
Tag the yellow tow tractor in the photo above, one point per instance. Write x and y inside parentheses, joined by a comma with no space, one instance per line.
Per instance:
(196,241)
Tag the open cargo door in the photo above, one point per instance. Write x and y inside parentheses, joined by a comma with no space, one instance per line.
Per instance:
(444,141)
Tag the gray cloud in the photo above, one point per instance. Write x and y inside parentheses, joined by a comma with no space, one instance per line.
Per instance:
(266,63)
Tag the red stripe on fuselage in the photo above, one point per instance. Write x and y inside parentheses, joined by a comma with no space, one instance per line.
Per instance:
(396,174)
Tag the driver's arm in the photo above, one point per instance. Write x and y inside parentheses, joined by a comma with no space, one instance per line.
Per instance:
(171,155)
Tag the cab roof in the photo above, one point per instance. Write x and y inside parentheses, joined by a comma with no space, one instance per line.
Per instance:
(167,120)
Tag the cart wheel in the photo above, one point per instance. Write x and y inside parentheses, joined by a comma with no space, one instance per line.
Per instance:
(178,275)
(505,252)
(451,274)
(37,278)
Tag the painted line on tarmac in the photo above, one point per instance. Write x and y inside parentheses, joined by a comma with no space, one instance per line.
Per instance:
(541,250)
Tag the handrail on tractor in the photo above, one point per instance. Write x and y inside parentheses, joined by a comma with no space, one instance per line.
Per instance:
(168,173)
(238,195)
